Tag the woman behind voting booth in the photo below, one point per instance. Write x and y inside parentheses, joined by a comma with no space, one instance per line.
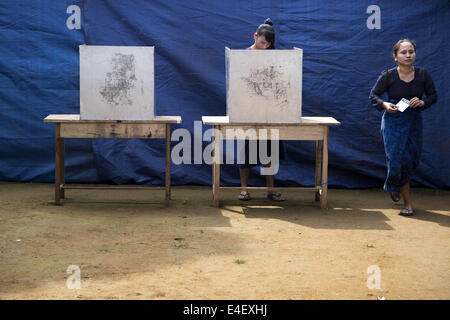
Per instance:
(402,128)
(264,39)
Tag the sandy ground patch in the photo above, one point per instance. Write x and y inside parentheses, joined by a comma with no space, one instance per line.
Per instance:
(128,245)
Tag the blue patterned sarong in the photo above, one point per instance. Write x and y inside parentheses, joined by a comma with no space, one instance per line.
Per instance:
(402,136)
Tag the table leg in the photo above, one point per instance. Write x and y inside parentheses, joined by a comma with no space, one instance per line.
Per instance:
(323,198)
(213,174)
(216,166)
(168,190)
(63,165)
(319,146)
(59,165)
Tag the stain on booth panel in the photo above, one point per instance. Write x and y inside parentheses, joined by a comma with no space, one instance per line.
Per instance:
(120,81)
(267,82)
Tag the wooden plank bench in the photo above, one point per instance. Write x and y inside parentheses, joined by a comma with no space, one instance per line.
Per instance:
(310,128)
(70,126)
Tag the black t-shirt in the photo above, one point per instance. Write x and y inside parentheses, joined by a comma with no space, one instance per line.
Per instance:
(390,82)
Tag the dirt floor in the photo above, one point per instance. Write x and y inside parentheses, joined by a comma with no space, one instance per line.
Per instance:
(128,245)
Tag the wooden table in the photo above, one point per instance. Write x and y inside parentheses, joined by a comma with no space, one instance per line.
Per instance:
(310,128)
(70,126)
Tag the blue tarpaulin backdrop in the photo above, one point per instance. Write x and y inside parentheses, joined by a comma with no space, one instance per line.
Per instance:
(343,57)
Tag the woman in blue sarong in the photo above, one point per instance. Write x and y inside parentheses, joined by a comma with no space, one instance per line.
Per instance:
(402,131)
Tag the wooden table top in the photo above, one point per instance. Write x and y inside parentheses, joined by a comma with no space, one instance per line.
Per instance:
(75,118)
(305,121)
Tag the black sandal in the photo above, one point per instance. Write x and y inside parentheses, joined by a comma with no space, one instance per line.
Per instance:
(275,197)
(395,196)
(244,196)
(408,213)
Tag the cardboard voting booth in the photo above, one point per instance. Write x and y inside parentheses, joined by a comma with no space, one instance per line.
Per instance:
(116,83)
(264,86)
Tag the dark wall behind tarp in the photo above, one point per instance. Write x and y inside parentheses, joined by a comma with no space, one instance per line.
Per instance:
(342,60)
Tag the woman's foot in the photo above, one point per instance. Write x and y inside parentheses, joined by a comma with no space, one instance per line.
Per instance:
(395,196)
(275,196)
(244,196)
(406,212)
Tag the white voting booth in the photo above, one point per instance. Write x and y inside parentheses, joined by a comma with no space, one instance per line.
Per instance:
(264,86)
(116,83)
(264,93)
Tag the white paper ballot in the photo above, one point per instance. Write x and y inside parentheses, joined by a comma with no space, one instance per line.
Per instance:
(402,104)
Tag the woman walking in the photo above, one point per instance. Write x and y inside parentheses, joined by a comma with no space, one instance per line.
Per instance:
(402,131)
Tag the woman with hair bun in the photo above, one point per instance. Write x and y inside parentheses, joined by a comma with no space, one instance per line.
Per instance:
(264,38)
(402,131)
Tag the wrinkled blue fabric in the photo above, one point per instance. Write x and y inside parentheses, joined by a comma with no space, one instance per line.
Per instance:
(342,58)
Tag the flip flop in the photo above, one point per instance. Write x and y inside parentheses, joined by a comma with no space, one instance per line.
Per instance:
(395,196)
(275,197)
(408,213)
(244,196)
